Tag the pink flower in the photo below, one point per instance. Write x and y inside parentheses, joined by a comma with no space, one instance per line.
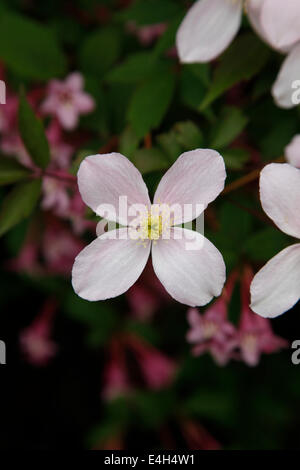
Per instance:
(12,145)
(112,263)
(211,25)
(35,340)
(115,377)
(76,214)
(292,151)
(157,369)
(255,335)
(55,196)
(61,151)
(275,288)
(142,301)
(60,247)
(147,295)
(28,258)
(8,114)
(67,101)
(197,437)
(212,331)
(147,34)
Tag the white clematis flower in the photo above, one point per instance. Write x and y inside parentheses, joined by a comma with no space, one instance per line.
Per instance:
(211,25)
(112,263)
(276,287)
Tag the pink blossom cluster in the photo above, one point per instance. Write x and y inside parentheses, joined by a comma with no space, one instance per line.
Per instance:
(153,368)
(60,103)
(63,101)
(212,331)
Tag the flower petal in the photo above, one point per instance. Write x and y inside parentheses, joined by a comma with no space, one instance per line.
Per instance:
(84,103)
(254,9)
(192,277)
(68,116)
(208,29)
(196,178)
(292,151)
(101,227)
(109,266)
(103,179)
(281,23)
(280,196)
(75,81)
(276,287)
(283,90)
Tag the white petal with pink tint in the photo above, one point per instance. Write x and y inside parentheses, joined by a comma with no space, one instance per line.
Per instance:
(197,177)
(283,90)
(280,20)
(276,287)
(101,227)
(280,196)
(292,151)
(109,267)
(208,29)
(192,277)
(254,9)
(102,179)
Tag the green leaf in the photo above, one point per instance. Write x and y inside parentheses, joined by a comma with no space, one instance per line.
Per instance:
(147,12)
(29,48)
(33,134)
(150,103)
(188,135)
(129,142)
(230,124)
(153,408)
(100,51)
(212,405)
(265,244)
(194,81)
(11,171)
(147,160)
(244,59)
(135,68)
(235,159)
(98,316)
(167,40)
(170,145)
(19,204)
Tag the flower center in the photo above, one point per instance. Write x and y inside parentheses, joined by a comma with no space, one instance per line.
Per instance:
(155,223)
(250,342)
(209,329)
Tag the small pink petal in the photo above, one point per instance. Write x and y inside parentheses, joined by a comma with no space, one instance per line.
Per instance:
(192,277)
(84,102)
(68,116)
(280,196)
(75,81)
(108,267)
(208,29)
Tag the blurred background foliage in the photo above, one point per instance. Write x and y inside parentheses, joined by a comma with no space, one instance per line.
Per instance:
(150,108)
